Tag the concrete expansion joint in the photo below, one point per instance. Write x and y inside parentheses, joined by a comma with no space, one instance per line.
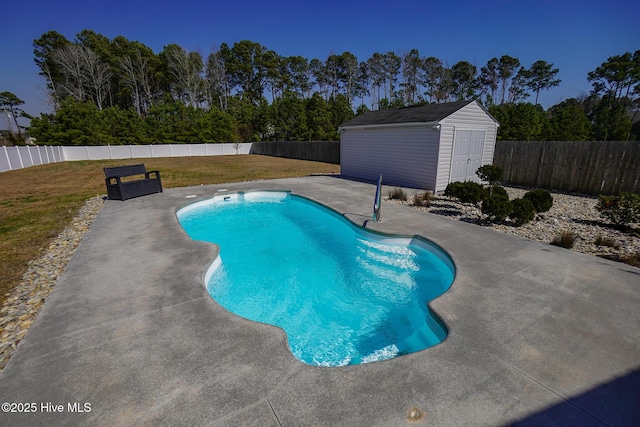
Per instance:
(284,379)
(274,412)
(529,377)
(264,399)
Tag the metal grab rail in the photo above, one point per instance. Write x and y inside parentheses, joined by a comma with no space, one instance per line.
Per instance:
(377,204)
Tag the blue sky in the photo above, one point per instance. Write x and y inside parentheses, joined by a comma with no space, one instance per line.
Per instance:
(576,36)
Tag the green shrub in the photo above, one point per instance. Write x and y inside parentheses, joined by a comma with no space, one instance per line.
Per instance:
(497,190)
(541,199)
(466,192)
(423,199)
(497,207)
(565,239)
(453,189)
(522,211)
(398,194)
(490,173)
(621,209)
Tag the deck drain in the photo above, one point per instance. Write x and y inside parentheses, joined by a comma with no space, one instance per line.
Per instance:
(415,415)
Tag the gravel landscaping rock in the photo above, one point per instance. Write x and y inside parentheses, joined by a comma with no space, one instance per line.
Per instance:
(572,213)
(23,302)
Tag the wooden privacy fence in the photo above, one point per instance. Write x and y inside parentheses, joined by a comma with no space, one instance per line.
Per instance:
(591,167)
(319,151)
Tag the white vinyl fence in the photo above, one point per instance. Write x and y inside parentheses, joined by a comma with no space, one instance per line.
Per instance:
(32,155)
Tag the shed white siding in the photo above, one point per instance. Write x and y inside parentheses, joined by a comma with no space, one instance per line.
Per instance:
(404,156)
(470,117)
(407,149)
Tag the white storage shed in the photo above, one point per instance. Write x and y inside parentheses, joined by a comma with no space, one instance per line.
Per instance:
(426,146)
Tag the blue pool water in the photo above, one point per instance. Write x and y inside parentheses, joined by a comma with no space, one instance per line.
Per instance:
(342,294)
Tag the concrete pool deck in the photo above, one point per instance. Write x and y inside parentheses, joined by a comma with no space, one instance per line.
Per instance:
(538,335)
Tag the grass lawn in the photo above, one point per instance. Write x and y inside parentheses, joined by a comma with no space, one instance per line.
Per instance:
(37,203)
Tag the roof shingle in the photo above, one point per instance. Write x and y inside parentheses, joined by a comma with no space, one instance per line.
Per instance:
(416,114)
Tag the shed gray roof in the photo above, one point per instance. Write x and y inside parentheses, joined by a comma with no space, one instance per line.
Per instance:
(416,114)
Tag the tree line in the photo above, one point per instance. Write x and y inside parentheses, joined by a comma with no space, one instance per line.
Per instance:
(120,91)
(610,111)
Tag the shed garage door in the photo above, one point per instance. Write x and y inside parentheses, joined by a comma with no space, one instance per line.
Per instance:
(467,155)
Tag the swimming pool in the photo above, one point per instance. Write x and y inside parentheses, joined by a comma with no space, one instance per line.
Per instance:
(343,295)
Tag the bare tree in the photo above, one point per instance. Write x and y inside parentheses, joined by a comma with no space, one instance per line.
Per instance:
(98,77)
(217,81)
(85,76)
(136,76)
(186,70)
(53,97)
(69,60)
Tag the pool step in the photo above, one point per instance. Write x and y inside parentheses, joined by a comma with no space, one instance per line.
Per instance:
(420,339)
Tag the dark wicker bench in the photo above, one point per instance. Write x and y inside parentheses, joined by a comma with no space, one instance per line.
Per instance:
(117,189)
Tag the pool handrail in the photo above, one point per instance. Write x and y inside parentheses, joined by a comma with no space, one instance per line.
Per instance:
(377,204)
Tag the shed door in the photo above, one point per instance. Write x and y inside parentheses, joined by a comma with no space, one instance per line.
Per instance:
(467,155)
